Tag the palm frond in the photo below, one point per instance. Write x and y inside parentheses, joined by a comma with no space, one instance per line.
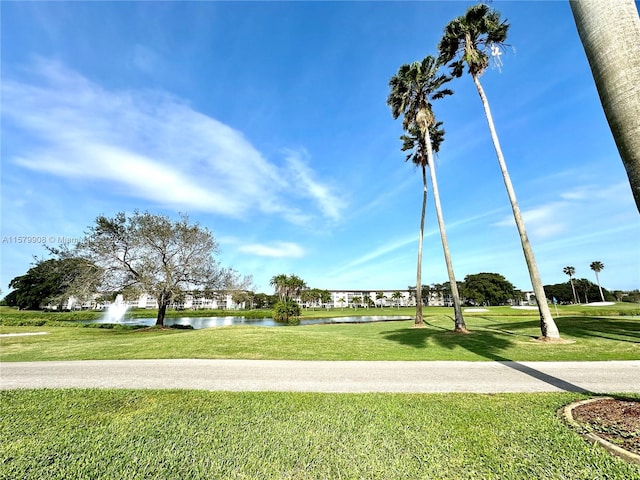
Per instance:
(413,89)
(469,38)
(414,142)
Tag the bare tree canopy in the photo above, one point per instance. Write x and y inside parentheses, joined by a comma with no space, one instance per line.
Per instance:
(158,256)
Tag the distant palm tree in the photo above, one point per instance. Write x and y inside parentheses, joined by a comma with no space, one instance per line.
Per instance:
(467,41)
(287,287)
(341,302)
(397,296)
(610,35)
(379,296)
(571,272)
(356,300)
(598,267)
(583,285)
(419,154)
(306,297)
(413,89)
(325,298)
(279,284)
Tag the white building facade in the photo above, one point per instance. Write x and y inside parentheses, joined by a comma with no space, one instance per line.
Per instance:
(338,299)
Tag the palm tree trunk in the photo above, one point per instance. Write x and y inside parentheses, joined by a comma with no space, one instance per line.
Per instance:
(547,324)
(610,34)
(459,324)
(599,287)
(573,289)
(419,321)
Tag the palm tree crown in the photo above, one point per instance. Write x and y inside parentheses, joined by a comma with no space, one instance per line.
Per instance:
(597,266)
(287,287)
(470,38)
(413,89)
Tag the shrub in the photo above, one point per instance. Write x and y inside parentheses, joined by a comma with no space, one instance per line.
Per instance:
(287,311)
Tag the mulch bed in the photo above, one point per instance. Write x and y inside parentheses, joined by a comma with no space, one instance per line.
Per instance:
(615,420)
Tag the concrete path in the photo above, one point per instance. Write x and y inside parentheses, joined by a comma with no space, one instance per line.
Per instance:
(327,376)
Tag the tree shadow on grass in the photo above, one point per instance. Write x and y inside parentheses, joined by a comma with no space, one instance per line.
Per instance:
(616,329)
(486,342)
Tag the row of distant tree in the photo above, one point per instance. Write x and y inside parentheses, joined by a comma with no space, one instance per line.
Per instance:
(494,289)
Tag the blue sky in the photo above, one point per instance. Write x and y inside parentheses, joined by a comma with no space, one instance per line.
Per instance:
(267,123)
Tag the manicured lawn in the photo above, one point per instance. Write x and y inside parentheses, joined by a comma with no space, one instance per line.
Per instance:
(495,335)
(103,434)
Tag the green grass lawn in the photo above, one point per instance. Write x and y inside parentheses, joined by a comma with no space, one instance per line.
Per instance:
(497,335)
(103,434)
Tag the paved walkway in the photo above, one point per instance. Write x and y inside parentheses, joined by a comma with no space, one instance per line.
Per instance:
(327,376)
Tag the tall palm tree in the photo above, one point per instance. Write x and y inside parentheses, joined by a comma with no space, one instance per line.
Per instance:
(419,154)
(571,272)
(413,89)
(467,40)
(597,267)
(610,35)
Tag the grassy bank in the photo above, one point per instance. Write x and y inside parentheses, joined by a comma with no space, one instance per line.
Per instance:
(200,435)
(492,337)
(12,316)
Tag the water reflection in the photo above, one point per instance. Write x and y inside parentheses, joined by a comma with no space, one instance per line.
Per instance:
(207,322)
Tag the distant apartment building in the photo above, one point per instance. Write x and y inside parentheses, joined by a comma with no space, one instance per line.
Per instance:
(383,298)
(339,299)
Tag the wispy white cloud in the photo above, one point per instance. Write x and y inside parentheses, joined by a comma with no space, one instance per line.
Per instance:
(575,208)
(275,250)
(541,222)
(399,243)
(125,170)
(306,183)
(580,194)
(153,146)
(378,252)
(383,197)
(611,193)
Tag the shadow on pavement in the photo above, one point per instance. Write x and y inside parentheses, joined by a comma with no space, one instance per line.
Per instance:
(484,342)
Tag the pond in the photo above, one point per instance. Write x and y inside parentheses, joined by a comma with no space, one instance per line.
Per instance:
(207,322)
